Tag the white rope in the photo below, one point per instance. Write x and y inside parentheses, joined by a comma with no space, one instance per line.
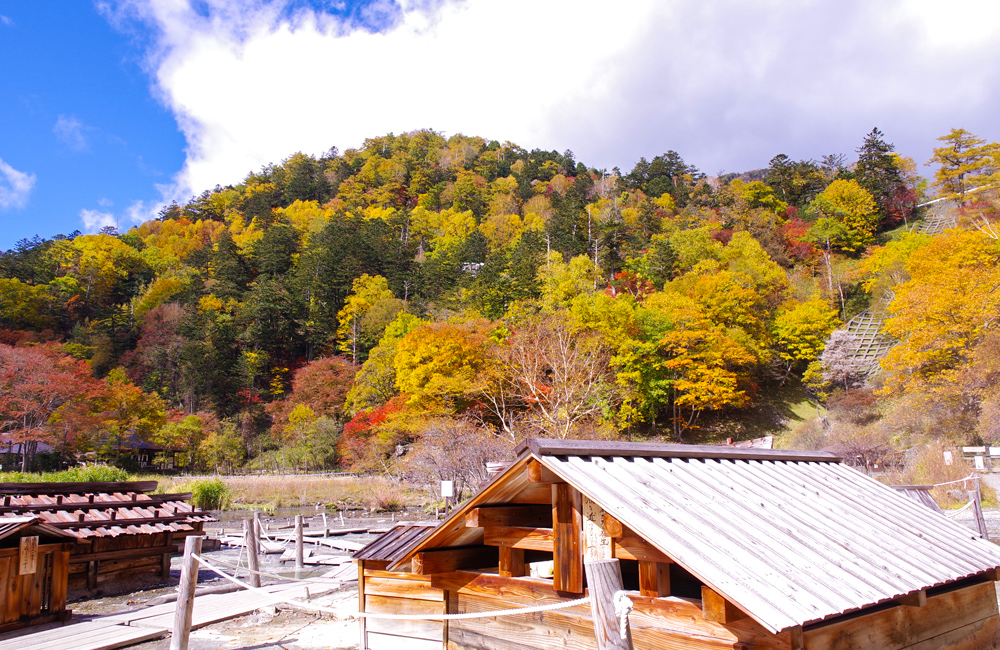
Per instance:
(970,477)
(489,614)
(271,597)
(405,617)
(958,511)
(280,577)
(623,605)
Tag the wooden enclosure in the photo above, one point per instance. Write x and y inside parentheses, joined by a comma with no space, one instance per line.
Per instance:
(123,531)
(34,562)
(523,540)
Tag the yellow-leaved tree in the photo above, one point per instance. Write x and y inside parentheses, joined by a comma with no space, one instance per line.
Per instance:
(366,292)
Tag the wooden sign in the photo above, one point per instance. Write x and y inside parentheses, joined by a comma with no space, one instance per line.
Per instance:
(28,556)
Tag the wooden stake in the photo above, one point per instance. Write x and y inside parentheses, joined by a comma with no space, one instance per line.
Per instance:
(977,509)
(604,579)
(185,594)
(299,550)
(253,559)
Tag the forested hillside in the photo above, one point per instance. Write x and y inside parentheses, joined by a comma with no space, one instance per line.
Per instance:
(425,302)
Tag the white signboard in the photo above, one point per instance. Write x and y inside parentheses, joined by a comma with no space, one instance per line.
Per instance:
(28,555)
(447,489)
(979,463)
(948,460)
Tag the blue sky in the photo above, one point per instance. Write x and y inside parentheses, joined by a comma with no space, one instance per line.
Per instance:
(109,109)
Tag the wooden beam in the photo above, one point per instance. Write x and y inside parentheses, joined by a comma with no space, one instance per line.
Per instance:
(536,539)
(914,599)
(654,579)
(537,473)
(636,548)
(534,493)
(512,562)
(453,559)
(526,516)
(613,527)
(717,609)
(567,532)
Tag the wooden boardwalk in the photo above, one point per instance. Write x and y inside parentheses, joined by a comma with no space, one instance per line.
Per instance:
(128,628)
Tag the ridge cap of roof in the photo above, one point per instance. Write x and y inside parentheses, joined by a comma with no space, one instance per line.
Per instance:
(561,447)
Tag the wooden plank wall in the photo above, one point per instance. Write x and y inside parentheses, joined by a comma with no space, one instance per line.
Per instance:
(402,593)
(956,620)
(34,598)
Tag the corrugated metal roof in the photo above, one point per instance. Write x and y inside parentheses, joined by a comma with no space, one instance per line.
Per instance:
(395,543)
(789,541)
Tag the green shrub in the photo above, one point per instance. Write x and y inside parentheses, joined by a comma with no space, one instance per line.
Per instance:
(90,474)
(82,474)
(210,495)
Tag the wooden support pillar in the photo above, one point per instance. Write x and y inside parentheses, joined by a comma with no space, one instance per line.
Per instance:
(567,565)
(185,594)
(299,548)
(512,562)
(361,606)
(92,568)
(604,578)
(977,509)
(798,638)
(165,559)
(654,579)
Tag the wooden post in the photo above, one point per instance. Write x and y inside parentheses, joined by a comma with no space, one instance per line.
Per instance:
(977,509)
(185,594)
(326,527)
(604,579)
(299,551)
(361,605)
(567,525)
(253,559)
(258,530)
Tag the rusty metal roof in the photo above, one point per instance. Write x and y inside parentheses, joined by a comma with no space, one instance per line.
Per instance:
(108,513)
(394,544)
(791,542)
(31,525)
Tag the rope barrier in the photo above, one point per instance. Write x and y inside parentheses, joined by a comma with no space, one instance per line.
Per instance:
(970,477)
(399,617)
(958,511)
(266,594)
(279,577)
(468,615)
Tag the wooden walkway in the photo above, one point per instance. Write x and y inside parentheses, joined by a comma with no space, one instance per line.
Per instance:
(128,628)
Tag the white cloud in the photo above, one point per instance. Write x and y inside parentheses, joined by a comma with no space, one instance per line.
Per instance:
(15,187)
(70,131)
(94,220)
(6,20)
(105,202)
(728,84)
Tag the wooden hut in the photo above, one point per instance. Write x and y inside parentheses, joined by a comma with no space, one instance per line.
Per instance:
(34,566)
(719,548)
(124,530)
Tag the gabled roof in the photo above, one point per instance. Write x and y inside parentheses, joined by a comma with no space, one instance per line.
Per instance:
(791,538)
